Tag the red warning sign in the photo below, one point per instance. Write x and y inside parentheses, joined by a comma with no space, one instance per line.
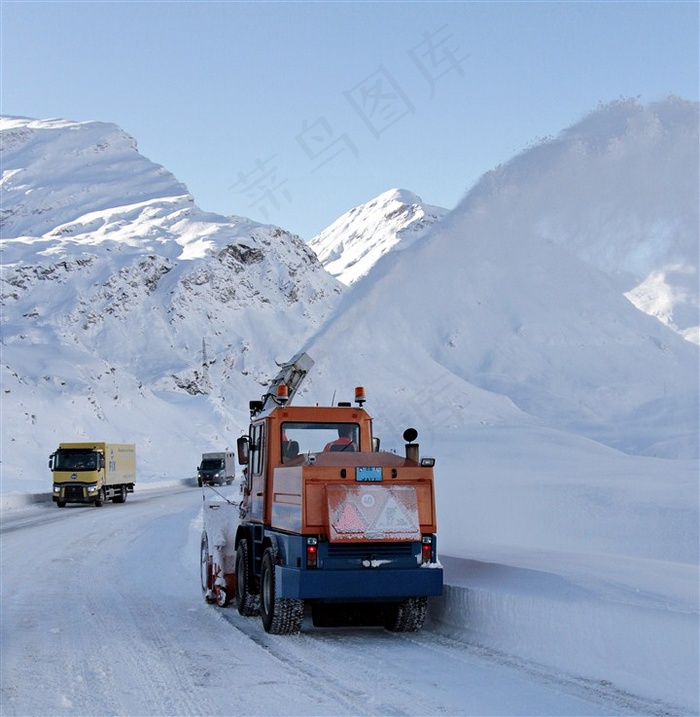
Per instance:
(372,512)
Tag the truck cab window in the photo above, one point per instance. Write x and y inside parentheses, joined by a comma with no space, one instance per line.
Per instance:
(76,461)
(319,437)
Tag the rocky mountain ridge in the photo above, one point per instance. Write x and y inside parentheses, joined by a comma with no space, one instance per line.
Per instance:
(108,261)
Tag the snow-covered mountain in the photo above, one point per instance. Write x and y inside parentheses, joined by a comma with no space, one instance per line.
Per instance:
(56,172)
(351,246)
(127,311)
(626,220)
(522,298)
(131,315)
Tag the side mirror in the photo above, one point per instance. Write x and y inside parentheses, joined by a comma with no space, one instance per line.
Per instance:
(243,448)
(375,445)
(52,461)
(100,461)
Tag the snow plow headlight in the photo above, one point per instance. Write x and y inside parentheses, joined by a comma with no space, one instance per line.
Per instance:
(92,488)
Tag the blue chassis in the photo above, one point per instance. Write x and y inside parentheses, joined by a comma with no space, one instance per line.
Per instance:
(345,579)
(356,585)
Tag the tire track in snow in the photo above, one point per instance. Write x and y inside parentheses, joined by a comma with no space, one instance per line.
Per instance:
(359,668)
(602,691)
(312,660)
(119,650)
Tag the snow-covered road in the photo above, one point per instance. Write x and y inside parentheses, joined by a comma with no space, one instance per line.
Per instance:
(102,614)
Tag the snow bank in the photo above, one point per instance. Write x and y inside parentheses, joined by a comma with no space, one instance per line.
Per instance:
(642,642)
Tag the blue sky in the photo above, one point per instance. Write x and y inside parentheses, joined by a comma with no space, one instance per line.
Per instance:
(291,113)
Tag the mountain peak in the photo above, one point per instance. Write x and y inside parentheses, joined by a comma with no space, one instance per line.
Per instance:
(403,196)
(350,247)
(56,171)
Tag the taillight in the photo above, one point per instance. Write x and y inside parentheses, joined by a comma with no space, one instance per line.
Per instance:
(427,549)
(312,552)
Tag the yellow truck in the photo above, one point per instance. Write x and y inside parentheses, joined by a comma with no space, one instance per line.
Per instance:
(93,472)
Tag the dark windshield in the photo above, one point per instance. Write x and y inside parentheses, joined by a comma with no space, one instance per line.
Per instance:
(76,461)
(211,464)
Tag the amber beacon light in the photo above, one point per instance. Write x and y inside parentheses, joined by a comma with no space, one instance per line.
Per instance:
(282,393)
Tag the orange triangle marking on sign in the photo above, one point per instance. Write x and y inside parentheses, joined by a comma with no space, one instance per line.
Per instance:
(349,519)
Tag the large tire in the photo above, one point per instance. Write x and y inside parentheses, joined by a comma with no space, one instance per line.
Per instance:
(100,498)
(121,498)
(280,616)
(408,615)
(247,602)
(61,503)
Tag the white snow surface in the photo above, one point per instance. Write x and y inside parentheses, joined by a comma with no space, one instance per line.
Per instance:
(111,620)
(542,339)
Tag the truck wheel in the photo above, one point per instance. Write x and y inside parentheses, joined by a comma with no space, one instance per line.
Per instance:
(247,603)
(280,616)
(205,569)
(61,503)
(121,496)
(100,499)
(407,616)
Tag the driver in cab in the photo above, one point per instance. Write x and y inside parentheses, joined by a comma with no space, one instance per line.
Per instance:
(344,441)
